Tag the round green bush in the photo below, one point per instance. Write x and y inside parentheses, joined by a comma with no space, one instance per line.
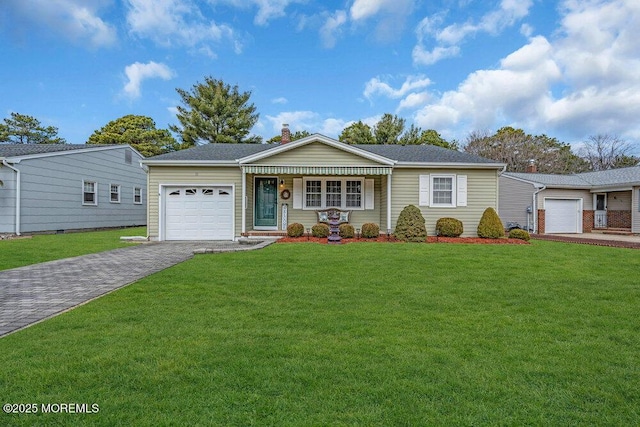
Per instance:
(320,230)
(517,233)
(295,230)
(370,230)
(449,227)
(410,226)
(346,231)
(490,226)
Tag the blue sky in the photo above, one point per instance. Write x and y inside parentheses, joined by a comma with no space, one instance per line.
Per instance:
(568,69)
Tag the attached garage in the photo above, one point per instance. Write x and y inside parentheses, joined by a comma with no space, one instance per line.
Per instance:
(563,215)
(198,213)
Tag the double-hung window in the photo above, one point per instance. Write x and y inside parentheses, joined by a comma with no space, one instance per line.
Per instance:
(342,193)
(114,193)
(137,195)
(442,190)
(89,193)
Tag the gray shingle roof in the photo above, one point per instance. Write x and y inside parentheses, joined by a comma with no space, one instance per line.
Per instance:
(17,150)
(215,152)
(408,153)
(613,177)
(423,154)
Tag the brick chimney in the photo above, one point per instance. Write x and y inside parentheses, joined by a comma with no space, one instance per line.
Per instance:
(286,134)
(531,167)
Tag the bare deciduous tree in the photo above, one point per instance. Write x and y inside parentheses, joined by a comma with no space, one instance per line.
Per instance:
(606,151)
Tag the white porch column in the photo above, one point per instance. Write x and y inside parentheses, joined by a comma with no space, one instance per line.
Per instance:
(244,201)
(389,201)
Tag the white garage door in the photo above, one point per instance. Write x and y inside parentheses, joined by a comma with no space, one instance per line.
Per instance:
(199,213)
(563,216)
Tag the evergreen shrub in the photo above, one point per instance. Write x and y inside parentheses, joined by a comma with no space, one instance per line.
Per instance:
(517,233)
(320,230)
(490,226)
(411,226)
(295,230)
(370,230)
(346,231)
(449,227)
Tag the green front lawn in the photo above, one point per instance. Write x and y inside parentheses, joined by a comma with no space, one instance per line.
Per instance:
(48,247)
(361,334)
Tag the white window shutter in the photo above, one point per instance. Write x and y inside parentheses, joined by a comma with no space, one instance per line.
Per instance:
(462,190)
(424,190)
(368,194)
(297,193)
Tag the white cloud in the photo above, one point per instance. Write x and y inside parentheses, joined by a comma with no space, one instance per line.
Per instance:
(178,23)
(306,121)
(376,86)
(76,20)
(281,100)
(390,15)
(447,40)
(138,72)
(582,82)
(332,27)
(267,9)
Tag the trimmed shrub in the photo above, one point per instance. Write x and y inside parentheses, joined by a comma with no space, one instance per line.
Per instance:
(370,230)
(490,226)
(346,231)
(410,226)
(295,230)
(320,230)
(449,227)
(517,233)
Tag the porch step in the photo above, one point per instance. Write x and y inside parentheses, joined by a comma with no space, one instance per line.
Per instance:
(613,231)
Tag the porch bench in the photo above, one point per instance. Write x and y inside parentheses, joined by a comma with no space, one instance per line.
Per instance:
(326,215)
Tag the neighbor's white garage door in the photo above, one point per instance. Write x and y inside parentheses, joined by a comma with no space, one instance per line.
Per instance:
(199,213)
(563,216)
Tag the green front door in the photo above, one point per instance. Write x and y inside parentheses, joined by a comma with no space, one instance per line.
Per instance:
(266,202)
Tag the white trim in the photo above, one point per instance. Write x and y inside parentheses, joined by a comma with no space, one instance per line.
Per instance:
(95,193)
(134,196)
(389,202)
(343,195)
(448,165)
(453,190)
(119,187)
(243,203)
(18,195)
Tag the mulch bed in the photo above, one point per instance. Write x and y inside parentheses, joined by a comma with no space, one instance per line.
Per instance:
(383,239)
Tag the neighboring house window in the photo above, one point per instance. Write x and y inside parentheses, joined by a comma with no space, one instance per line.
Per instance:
(137,195)
(89,193)
(345,193)
(443,191)
(114,193)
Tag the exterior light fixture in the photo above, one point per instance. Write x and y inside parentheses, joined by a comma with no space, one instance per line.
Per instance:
(308,233)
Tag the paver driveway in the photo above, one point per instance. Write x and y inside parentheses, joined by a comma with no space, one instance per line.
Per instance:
(36,292)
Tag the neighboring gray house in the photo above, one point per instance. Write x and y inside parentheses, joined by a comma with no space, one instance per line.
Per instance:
(579,203)
(224,191)
(68,187)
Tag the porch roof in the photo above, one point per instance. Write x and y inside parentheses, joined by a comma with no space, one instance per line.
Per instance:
(318,170)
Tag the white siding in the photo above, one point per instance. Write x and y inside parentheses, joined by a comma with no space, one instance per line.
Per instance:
(558,193)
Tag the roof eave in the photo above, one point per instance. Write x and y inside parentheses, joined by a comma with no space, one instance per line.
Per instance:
(150,162)
(449,165)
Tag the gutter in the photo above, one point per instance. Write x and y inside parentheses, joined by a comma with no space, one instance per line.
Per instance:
(17,171)
(534,207)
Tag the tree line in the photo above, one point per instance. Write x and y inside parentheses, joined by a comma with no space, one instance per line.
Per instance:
(215,112)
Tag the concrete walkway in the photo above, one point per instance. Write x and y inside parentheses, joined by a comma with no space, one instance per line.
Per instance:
(37,292)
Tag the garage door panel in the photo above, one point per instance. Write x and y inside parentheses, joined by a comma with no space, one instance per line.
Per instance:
(563,216)
(199,213)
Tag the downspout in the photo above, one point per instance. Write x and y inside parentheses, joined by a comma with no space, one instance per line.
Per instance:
(17,171)
(534,207)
